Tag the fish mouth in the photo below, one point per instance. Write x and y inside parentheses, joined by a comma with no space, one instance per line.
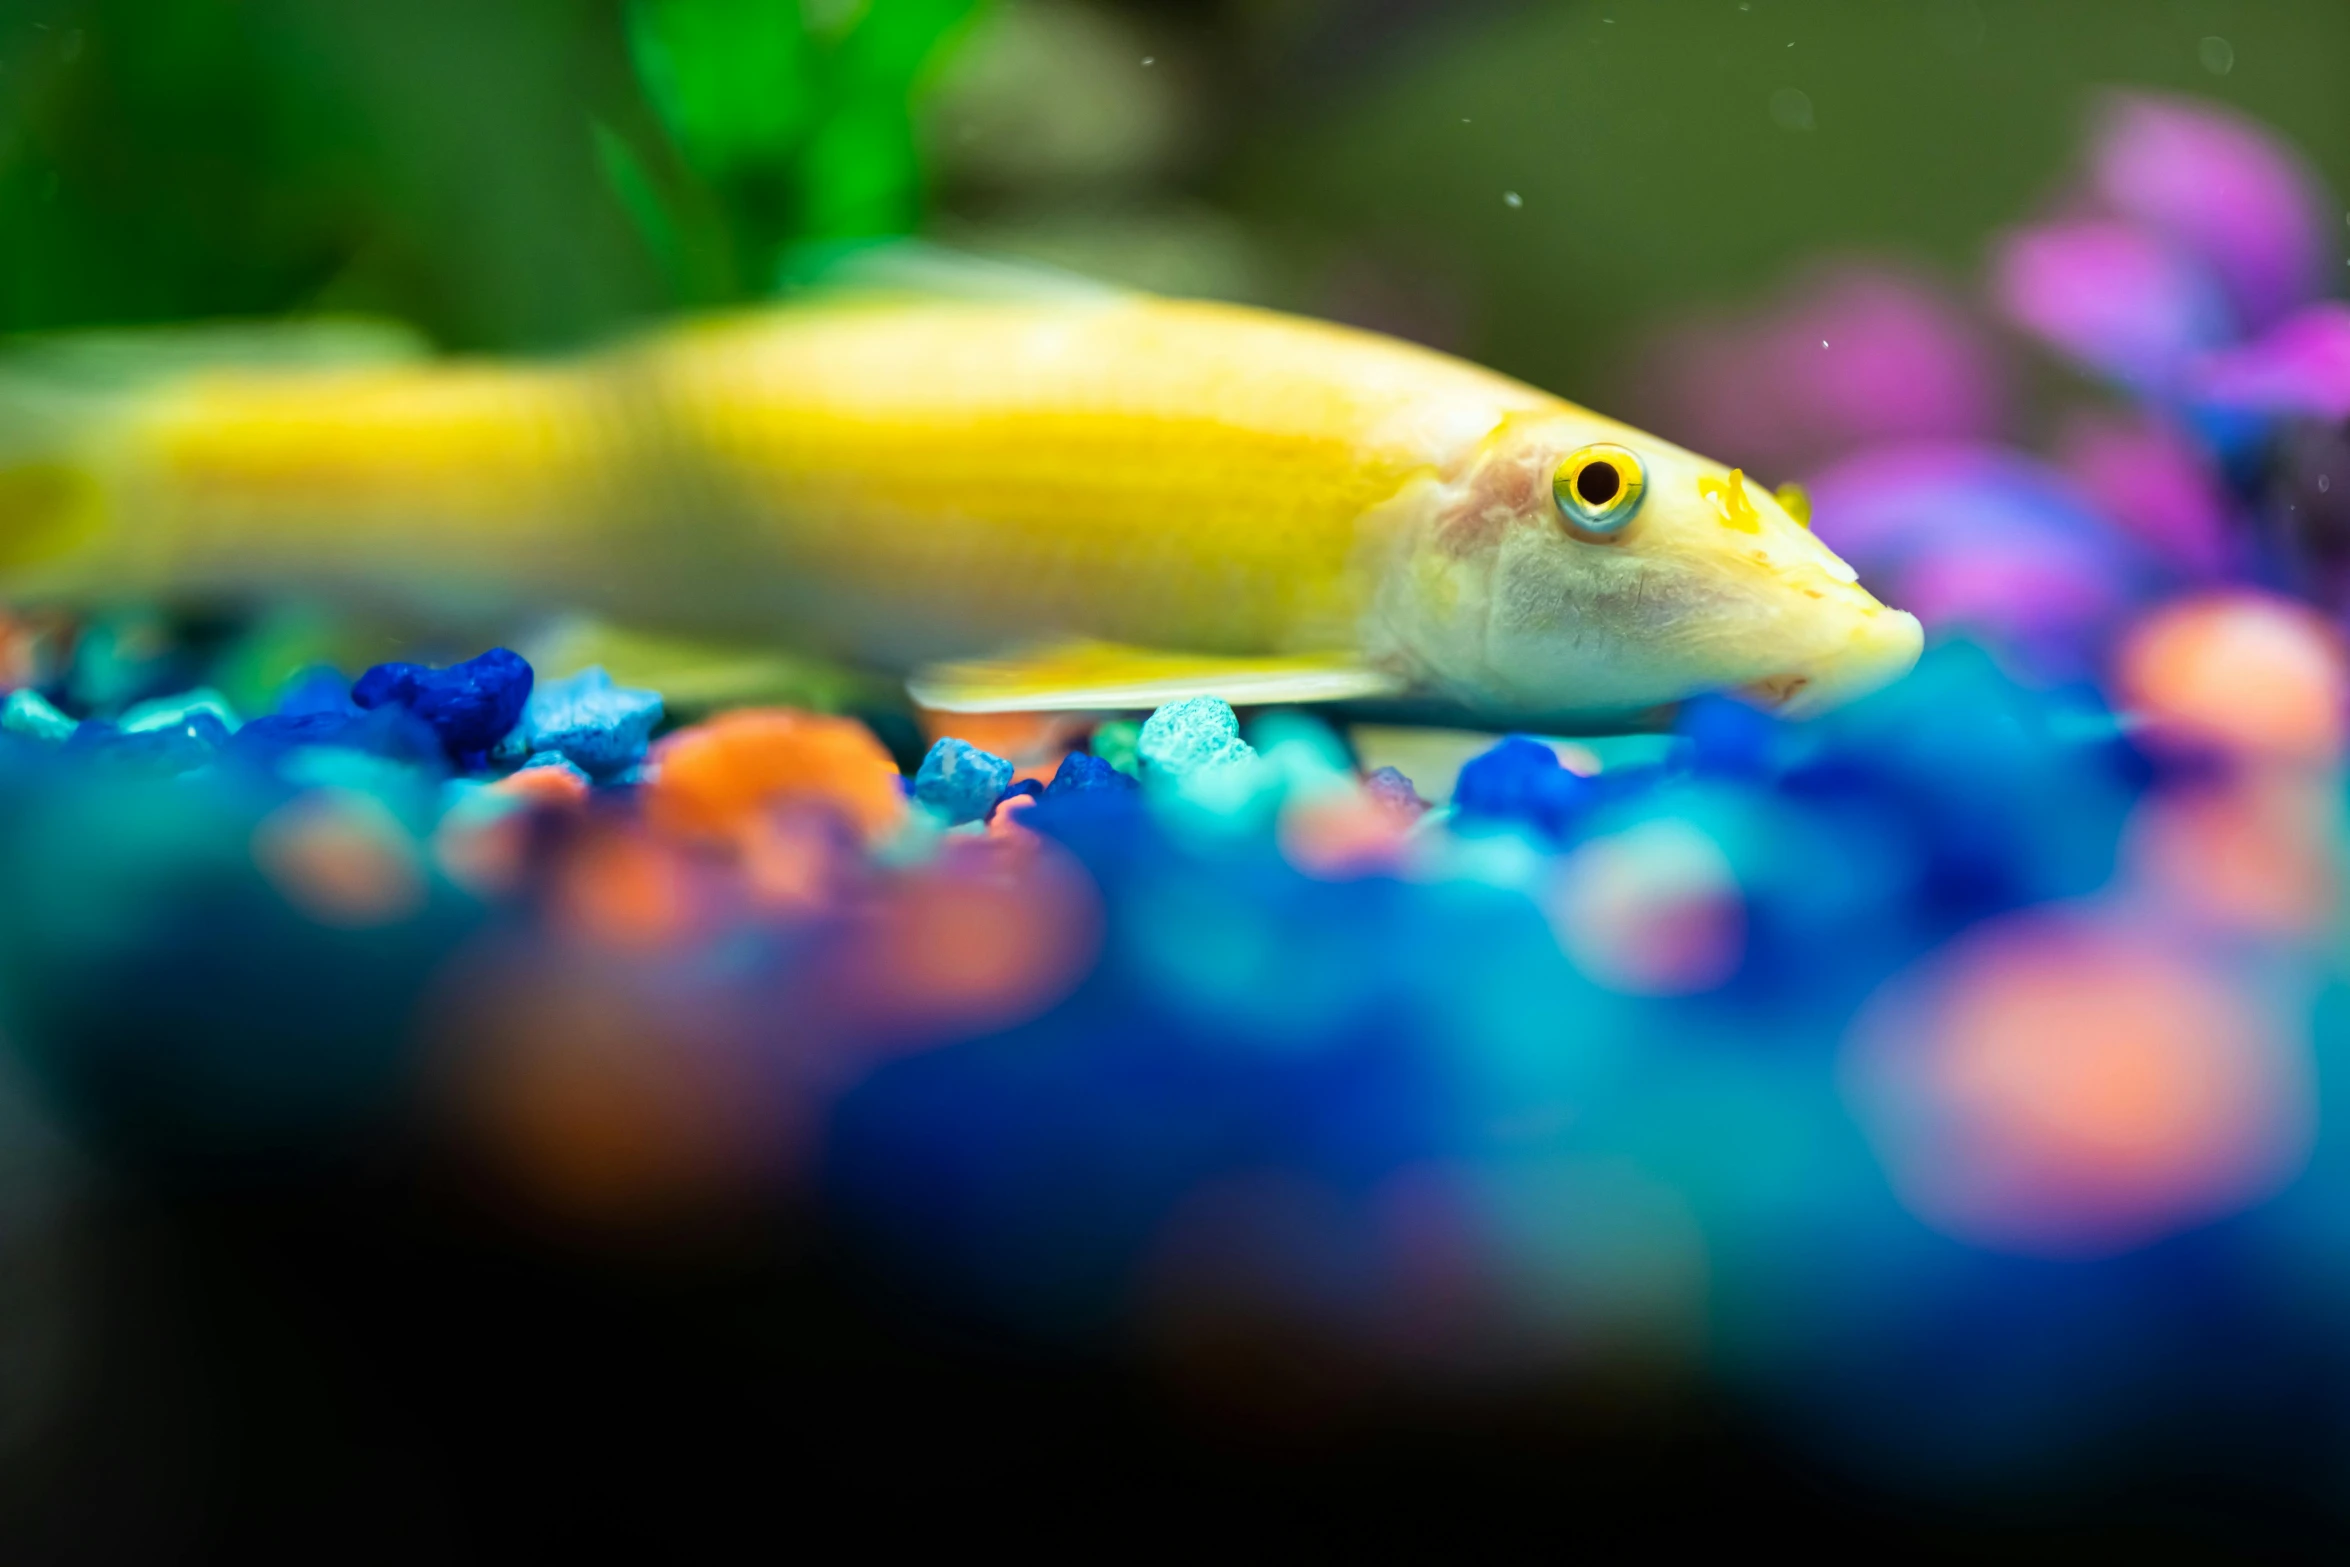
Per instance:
(1883,647)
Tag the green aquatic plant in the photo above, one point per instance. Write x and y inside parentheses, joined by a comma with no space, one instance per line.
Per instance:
(530,174)
(795,120)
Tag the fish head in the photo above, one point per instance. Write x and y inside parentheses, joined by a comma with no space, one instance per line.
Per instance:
(1576,565)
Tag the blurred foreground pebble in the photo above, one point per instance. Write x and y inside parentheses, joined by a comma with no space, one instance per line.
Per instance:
(1773,1050)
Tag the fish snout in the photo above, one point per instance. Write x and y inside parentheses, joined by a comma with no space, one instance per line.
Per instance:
(1883,646)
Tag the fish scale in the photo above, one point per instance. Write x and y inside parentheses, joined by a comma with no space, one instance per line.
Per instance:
(1042,503)
(1151,472)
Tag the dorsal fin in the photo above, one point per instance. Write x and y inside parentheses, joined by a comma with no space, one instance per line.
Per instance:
(919,269)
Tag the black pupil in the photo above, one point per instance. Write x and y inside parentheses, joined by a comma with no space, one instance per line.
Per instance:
(1598,483)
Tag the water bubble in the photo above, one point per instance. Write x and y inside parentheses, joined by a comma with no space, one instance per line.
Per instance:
(2217,54)
(1510,198)
(2325,482)
(1791,109)
(1150,59)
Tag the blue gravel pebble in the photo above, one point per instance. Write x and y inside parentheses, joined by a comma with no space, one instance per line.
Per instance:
(600,727)
(960,781)
(1026,786)
(1521,782)
(392,732)
(1083,774)
(1186,737)
(1728,738)
(318,689)
(471,706)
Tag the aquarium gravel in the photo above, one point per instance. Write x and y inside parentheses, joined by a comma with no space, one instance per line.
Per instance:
(1777,1058)
(1955,1080)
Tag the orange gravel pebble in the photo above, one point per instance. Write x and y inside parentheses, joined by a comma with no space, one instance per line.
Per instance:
(2254,674)
(1028,740)
(550,785)
(718,779)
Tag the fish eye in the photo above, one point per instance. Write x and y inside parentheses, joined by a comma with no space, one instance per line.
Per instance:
(1598,488)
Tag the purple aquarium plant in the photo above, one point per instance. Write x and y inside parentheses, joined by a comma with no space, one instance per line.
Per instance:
(2180,264)
(1854,352)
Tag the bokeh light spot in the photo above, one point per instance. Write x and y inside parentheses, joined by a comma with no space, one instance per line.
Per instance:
(2057,1086)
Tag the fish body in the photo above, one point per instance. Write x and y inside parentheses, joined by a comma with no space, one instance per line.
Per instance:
(1098,501)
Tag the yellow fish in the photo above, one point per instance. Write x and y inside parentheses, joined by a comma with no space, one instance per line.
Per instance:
(1101,501)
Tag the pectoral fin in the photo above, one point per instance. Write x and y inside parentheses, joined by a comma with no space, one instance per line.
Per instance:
(918,269)
(696,676)
(1105,677)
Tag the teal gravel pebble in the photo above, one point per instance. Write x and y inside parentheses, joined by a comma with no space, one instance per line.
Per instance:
(172,712)
(960,782)
(1114,743)
(28,713)
(600,727)
(1191,736)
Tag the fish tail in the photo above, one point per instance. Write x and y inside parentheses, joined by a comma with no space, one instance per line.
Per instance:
(68,406)
(54,440)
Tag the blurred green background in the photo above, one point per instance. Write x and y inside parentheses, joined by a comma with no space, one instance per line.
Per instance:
(1536,183)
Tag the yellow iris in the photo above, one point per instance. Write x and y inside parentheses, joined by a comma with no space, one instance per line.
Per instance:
(1599,487)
